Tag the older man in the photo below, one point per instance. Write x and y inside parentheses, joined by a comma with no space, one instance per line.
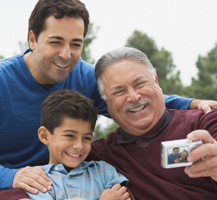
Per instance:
(129,84)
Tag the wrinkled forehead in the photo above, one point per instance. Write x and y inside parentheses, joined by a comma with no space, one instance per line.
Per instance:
(126,66)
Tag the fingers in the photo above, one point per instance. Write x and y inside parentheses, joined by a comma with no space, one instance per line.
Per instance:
(25,199)
(32,179)
(204,151)
(203,168)
(204,156)
(116,192)
(207,149)
(121,191)
(204,107)
(116,187)
(201,135)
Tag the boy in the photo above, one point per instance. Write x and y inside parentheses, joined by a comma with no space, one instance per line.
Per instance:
(67,122)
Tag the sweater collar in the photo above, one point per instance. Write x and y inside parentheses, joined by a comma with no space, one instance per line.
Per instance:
(144,140)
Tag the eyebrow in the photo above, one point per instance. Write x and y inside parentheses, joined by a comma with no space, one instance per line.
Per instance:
(119,87)
(74,131)
(139,78)
(60,38)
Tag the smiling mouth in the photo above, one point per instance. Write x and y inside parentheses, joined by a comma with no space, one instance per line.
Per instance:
(137,109)
(62,66)
(74,155)
(138,106)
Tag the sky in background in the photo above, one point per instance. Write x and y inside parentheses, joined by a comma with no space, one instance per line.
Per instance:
(185,28)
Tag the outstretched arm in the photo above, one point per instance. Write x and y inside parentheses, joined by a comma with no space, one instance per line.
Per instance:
(205,105)
(181,103)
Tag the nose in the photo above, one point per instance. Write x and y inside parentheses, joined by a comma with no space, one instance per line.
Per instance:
(78,144)
(65,52)
(133,95)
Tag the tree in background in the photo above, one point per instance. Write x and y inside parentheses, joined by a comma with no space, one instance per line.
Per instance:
(90,37)
(205,85)
(23,45)
(169,76)
(102,131)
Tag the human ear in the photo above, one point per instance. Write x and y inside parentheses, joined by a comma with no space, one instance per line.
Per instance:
(43,135)
(31,40)
(156,79)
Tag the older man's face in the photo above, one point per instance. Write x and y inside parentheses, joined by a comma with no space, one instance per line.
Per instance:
(134,98)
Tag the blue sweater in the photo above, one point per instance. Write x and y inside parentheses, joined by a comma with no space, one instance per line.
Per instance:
(20,104)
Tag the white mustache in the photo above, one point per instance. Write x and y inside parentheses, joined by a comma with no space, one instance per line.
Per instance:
(142,102)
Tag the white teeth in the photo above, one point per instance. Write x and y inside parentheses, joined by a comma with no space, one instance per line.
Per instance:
(62,66)
(74,155)
(137,109)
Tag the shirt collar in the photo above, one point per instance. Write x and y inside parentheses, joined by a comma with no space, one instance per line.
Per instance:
(144,140)
(60,168)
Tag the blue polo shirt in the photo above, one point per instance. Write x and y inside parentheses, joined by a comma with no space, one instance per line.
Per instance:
(88,180)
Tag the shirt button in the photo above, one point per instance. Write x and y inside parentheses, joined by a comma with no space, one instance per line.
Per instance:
(56,168)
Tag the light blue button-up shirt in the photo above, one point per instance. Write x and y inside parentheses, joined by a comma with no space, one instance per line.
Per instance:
(88,180)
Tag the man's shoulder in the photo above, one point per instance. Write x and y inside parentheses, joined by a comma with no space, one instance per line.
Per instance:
(186,113)
(12,61)
(193,113)
(8,61)
(195,118)
(81,64)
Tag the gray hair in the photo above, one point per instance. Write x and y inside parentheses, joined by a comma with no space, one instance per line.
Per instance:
(115,56)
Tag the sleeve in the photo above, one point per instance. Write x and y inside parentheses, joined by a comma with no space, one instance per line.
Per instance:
(177,102)
(208,122)
(6,177)
(111,176)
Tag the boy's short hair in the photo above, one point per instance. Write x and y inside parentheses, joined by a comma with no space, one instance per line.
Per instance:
(67,103)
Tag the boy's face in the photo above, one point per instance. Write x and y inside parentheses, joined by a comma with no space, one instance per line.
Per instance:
(70,143)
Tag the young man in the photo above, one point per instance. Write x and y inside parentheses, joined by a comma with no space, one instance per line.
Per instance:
(173,155)
(56,33)
(67,122)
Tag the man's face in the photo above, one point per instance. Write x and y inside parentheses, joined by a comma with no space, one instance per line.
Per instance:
(57,50)
(183,155)
(134,98)
(70,143)
(176,151)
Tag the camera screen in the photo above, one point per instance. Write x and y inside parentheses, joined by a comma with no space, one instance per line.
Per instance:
(175,153)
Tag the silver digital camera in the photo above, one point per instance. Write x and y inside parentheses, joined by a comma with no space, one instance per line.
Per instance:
(175,153)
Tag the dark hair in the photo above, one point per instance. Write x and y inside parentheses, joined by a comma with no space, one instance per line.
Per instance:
(66,103)
(58,8)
